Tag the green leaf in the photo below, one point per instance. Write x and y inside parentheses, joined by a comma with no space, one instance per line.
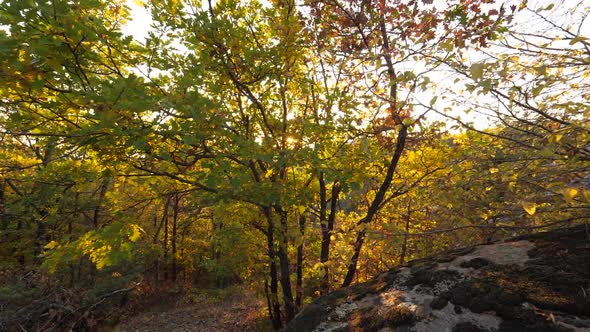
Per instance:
(541,70)
(577,39)
(189,139)
(549,7)
(537,90)
(433,100)
(476,70)
(487,85)
(140,144)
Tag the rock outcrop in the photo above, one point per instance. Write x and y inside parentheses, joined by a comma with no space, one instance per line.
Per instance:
(532,283)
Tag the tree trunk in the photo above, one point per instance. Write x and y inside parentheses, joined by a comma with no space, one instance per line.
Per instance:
(327,226)
(299,281)
(375,205)
(174,228)
(3,217)
(289,304)
(274,305)
(103,190)
(157,233)
(402,258)
(216,250)
(165,243)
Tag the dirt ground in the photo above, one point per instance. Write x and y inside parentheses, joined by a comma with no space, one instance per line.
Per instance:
(230,310)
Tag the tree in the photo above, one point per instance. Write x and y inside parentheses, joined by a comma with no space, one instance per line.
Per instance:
(381,35)
(532,89)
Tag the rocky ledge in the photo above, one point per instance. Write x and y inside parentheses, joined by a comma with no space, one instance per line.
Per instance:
(539,282)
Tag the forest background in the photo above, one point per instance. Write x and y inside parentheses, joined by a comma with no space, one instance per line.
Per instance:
(291,146)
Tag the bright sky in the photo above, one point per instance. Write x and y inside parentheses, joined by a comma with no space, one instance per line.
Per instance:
(139,26)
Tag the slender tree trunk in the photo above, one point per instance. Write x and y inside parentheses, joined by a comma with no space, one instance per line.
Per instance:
(157,235)
(275,306)
(216,251)
(375,205)
(41,235)
(325,246)
(70,238)
(269,305)
(3,217)
(299,281)
(164,216)
(402,258)
(327,226)
(174,228)
(156,267)
(289,304)
(165,243)
(103,190)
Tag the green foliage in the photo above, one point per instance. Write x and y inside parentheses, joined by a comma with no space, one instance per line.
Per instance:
(111,245)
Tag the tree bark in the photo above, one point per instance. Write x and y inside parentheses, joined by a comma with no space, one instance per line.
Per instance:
(174,228)
(284,264)
(375,205)
(402,258)
(3,217)
(165,243)
(103,191)
(275,306)
(299,281)
(327,226)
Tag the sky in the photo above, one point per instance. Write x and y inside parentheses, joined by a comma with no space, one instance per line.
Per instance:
(139,25)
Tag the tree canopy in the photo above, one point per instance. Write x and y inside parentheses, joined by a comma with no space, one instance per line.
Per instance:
(297,146)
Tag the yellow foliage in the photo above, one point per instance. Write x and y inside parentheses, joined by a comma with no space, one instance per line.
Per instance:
(530,207)
(569,194)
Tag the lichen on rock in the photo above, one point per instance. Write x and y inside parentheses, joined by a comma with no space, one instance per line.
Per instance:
(539,282)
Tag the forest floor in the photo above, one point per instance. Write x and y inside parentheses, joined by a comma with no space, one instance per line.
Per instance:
(233,309)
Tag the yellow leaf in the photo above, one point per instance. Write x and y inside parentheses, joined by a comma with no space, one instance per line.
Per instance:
(569,194)
(530,207)
(318,266)
(586,194)
(51,245)
(332,238)
(135,233)
(556,138)
(407,122)
(494,170)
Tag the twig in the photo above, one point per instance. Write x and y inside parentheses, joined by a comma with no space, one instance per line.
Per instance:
(101,299)
(452,229)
